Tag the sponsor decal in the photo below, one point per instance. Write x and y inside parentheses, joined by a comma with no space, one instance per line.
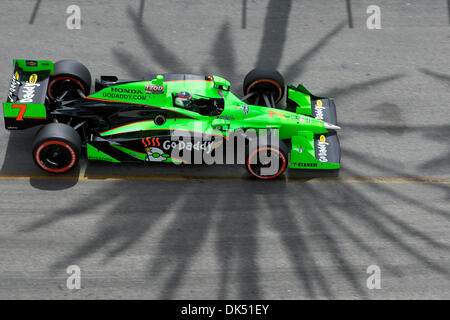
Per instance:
(302,119)
(319,110)
(15,83)
(31,63)
(33,78)
(322,146)
(206,146)
(28,92)
(155,154)
(125,90)
(271,113)
(245,108)
(225,117)
(97,158)
(22,108)
(304,164)
(154,89)
(124,93)
(151,142)
(16,75)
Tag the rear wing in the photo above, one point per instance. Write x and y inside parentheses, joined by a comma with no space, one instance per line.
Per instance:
(25,103)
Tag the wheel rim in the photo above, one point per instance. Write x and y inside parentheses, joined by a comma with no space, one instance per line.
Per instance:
(258,160)
(55,156)
(65,87)
(265,86)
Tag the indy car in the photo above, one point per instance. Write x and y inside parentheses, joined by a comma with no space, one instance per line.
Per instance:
(176,118)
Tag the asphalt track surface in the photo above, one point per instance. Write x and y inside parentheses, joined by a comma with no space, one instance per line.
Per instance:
(211,232)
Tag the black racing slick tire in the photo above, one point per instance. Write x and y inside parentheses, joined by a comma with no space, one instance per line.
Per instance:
(263,80)
(69,75)
(267,160)
(56,148)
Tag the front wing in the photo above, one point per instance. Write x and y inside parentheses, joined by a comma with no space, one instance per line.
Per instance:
(315,151)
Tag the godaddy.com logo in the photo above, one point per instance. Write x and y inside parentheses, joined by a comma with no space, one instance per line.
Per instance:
(259,149)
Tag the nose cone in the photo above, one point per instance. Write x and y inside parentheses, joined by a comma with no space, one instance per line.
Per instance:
(330,126)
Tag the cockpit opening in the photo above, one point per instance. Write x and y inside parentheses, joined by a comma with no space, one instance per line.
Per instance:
(202,105)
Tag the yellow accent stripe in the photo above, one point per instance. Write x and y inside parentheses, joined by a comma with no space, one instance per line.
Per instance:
(368,179)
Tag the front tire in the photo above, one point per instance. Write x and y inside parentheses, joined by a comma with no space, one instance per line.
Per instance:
(261,81)
(268,160)
(56,148)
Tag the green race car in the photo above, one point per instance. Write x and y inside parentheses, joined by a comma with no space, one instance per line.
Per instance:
(178,118)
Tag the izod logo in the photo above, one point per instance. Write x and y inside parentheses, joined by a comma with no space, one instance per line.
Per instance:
(322,148)
(33,78)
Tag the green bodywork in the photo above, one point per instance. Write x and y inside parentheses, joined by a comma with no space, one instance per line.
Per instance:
(297,126)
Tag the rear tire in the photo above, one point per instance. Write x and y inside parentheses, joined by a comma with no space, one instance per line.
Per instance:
(69,75)
(267,81)
(56,148)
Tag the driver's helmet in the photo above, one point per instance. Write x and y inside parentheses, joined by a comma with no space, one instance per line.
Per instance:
(183,99)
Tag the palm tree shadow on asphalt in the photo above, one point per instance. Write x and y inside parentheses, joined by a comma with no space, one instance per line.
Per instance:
(443,132)
(235,211)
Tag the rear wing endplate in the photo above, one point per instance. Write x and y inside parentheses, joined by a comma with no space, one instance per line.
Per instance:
(25,103)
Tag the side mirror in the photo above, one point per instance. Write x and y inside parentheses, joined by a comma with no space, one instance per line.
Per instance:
(221,83)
